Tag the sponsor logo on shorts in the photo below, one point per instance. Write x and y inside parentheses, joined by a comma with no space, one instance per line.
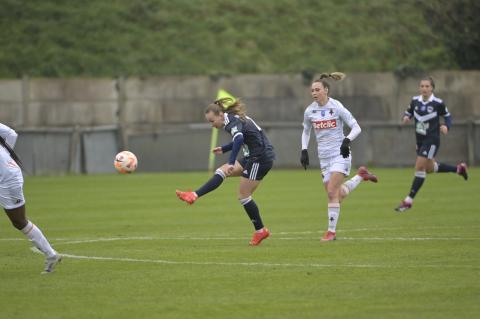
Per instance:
(325,124)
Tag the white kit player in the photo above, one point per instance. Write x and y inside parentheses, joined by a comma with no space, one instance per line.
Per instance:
(327,117)
(13,201)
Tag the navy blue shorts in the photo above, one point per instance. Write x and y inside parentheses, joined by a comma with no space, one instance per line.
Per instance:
(428,148)
(255,169)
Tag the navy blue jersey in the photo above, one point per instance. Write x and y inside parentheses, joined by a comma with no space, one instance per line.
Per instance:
(427,116)
(255,142)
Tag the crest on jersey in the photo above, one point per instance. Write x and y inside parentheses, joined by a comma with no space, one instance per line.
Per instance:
(322,112)
(429,109)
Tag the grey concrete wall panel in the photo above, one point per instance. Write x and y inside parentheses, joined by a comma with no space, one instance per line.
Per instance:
(45,153)
(476,143)
(68,113)
(454,145)
(99,150)
(172,149)
(392,145)
(11,102)
(66,102)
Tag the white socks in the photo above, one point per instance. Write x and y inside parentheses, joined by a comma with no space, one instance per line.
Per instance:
(408,199)
(351,184)
(36,236)
(333,214)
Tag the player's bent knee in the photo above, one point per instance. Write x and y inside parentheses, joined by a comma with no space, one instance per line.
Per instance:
(221,173)
(333,195)
(223,169)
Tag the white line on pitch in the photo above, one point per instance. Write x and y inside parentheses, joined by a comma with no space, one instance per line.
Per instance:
(258,264)
(245,238)
(96,240)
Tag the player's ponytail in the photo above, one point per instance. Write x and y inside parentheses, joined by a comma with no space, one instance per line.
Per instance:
(336,76)
(227,105)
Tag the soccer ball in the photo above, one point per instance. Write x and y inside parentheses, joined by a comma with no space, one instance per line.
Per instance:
(125,162)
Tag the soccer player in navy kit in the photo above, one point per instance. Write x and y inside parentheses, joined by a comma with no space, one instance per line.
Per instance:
(427,109)
(258,157)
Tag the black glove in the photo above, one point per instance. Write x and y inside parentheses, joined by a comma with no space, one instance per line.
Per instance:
(304,159)
(345,148)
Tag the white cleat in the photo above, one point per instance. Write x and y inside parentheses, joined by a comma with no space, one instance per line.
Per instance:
(51,262)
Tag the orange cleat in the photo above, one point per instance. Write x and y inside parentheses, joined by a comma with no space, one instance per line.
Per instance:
(328,236)
(189,197)
(366,175)
(258,236)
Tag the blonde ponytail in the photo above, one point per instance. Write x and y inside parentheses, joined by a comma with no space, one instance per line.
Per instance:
(337,76)
(227,105)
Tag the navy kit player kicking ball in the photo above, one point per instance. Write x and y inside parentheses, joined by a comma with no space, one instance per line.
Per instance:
(256,163)
(327,117)
(427,109)
(13,201)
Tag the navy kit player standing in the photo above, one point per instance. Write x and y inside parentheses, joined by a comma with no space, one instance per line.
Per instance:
(258,156)
(13,201)
(327,117)
(427,109)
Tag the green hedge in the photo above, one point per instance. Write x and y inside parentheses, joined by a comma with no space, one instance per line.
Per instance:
(108,38)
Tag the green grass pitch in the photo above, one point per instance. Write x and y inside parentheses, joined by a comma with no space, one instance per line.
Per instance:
(133,250)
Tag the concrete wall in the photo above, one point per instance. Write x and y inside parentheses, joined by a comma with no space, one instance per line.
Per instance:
(140,102)
(184,147)
(77,125)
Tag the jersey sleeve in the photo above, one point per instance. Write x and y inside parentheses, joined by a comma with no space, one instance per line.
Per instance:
(307,128)
(443,111)
(8,134)
(346,116)
(234,126)
(409,110)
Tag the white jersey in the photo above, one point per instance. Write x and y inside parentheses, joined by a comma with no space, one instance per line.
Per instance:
(328,122)
(10,173)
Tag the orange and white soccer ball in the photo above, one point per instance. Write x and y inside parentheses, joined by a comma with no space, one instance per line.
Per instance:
(125,162)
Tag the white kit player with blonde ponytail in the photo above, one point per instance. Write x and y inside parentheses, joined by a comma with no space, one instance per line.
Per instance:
(327,117)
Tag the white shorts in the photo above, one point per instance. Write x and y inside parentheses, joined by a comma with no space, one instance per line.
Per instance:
(11,198)
(335,164)
(11,188)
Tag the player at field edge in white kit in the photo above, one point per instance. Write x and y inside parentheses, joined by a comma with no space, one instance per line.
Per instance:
(327,116)
(257,160)
(13,201)
(426,109)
